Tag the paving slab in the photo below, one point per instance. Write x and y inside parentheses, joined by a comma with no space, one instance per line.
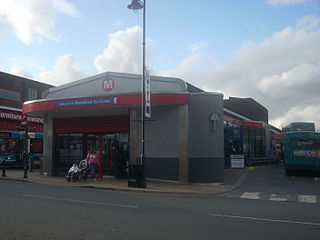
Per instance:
(232,178)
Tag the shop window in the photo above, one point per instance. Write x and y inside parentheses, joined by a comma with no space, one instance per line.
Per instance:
(69,149)
(32,94)
(10,95)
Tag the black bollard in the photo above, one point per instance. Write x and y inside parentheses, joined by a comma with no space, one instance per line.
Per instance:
(3,168)
(25,166)
(25,172)
(31,165)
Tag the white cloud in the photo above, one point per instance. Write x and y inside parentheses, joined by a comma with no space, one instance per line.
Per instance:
(64,6)
(308,22)
(276,3)
(65,70)
(33,19)
(281,72)
(195,67)
(303,114)
(123,53)
(21,72)
(292,81)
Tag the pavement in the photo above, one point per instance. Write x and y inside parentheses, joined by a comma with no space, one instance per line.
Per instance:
(232,179)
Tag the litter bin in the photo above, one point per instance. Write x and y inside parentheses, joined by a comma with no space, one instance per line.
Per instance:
(136,176)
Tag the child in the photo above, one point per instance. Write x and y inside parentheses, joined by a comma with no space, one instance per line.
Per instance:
(72,171)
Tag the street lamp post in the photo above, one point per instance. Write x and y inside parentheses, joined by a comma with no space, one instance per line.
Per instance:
(136,5)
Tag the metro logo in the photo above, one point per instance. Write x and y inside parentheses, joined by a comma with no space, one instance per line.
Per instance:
(108,84)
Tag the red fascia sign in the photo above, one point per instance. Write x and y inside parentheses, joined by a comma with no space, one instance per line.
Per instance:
(243,123)
(123,100)
(232,120)
(17,116)
(277,135)
(252,124)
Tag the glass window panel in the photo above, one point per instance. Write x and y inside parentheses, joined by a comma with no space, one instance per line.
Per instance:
(32,94)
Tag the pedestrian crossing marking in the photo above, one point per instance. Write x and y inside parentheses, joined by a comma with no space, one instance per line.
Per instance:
(279,198)
(251,195)
(307,198)
(276,197)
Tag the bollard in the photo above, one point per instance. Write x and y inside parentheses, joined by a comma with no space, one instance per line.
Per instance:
(31,165)
(3,168)
(41,167)
(25,165)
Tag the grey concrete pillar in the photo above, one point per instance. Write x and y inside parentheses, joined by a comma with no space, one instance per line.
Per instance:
(133,135)
(47,165)
(183,144)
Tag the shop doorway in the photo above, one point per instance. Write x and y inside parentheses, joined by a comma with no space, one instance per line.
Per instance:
(113,152)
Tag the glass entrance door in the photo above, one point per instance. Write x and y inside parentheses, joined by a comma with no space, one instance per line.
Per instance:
(108,140)
(112,151)
(93,142)
(69,150)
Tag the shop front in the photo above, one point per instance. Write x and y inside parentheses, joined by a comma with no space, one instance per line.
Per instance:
(246,138)
(75,137)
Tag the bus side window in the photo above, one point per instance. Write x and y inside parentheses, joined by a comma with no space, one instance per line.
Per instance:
(2,146)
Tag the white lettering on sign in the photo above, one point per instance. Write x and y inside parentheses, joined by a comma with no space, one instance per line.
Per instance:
(147,110)
(108,84)
(11,116)
(306,153)
(237,161)
(19,117)
(84,102)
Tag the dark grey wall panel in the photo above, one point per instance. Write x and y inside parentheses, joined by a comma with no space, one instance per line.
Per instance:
(206,170)
(206,143)
(162,133)
(162,168)
(205,136)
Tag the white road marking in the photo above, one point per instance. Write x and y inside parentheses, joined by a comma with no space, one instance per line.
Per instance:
(307,198)
(263,219)
(279,198)
(251,195)
(79,201)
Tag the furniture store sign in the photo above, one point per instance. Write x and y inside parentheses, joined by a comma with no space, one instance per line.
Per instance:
(17,116)
(86,102)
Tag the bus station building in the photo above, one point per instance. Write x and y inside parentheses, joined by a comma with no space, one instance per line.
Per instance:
(184,138)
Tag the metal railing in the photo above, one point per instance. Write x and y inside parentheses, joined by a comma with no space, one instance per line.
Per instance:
(263,161)
(256,161)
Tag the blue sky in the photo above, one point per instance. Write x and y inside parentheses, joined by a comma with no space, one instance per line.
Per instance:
(265,49)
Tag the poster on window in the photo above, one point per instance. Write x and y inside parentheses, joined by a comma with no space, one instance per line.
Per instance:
(237,161)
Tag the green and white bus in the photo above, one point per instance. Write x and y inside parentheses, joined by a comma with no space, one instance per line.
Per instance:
(301,151)
(11,148)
